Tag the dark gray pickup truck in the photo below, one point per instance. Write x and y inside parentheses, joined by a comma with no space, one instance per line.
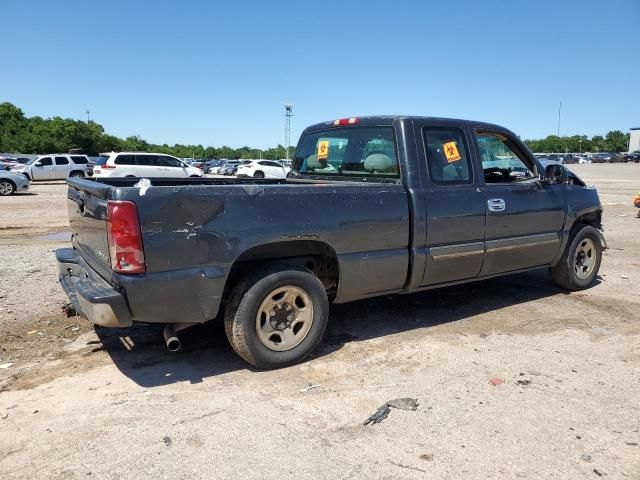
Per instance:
(373,206)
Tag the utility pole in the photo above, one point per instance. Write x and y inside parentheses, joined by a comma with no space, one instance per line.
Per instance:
(88,112)
(559,113)
(288,113)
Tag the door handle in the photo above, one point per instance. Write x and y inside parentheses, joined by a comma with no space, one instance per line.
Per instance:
(496,205)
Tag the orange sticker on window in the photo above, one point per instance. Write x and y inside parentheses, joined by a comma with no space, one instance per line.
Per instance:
(451,152)
(323,149)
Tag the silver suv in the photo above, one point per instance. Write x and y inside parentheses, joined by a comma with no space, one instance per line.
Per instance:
(56,166)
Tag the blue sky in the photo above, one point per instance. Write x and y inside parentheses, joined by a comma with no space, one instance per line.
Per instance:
(218,72)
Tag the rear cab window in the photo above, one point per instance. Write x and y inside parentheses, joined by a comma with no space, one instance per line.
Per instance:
(363,152)
(62,161)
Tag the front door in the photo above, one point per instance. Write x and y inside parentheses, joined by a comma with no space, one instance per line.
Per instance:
(42,169)
(524,217)
(455,205)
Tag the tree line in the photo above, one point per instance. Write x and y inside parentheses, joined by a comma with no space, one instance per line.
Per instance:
(21,134)
(614,141)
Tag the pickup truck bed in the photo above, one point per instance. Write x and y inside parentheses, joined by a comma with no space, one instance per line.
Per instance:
(376,206)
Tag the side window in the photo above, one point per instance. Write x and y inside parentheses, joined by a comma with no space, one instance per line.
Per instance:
(165,161)
(125,160)
(79,160)
(45,162)
(62,161)
(500,162)
(447,156)
(146,160)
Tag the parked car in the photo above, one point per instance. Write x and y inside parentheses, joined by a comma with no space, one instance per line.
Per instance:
(142,164)
(633,156)
(230,168)
(377,206)
(197,164)
(12,182)
(619,158)
(212,166)
(262,169)
(56,166)
(582,158)
(603,157)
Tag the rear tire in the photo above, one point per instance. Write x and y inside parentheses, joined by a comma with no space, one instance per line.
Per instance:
(76,174)
(7,188)
(258,174)
(276,316)
(580,261)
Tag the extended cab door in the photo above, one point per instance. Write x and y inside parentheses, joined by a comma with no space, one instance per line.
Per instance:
(454,203)
(524,217)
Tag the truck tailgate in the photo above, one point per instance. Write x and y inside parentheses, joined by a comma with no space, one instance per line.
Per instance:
(87,204)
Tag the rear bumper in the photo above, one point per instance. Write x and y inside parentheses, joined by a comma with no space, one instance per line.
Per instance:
(92,297)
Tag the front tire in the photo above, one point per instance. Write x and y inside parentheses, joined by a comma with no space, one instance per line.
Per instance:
(276,316)
(580,261)
(7,188)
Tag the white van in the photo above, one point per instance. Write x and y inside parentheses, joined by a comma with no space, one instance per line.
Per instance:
(142,165)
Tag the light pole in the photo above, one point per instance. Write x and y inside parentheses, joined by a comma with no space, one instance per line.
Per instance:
(88,112)
(288,113)
(580,144)
(559,112)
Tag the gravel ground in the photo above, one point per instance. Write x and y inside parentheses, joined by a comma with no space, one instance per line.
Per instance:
(514,378)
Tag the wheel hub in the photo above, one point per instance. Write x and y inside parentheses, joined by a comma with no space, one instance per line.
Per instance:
(281,316)
(584,260)
(284,318)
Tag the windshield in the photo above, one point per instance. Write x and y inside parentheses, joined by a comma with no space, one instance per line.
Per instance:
(352,151)
(101,160)
(31,162)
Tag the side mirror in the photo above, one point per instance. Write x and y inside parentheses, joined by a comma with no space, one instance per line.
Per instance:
(37,164)
(554,173)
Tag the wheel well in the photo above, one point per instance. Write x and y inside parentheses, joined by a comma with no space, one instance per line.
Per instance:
(317,256)
(76,172)
(593,219)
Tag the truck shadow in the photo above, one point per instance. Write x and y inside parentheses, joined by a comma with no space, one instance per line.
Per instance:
(139,352)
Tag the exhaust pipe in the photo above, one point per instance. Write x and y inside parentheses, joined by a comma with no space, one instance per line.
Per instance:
(171,335)
(171,339)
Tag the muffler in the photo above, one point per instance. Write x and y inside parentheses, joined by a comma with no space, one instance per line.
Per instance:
(171,335)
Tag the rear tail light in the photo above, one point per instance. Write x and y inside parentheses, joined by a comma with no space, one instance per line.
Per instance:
(346,121)
(107,166)
(125,237)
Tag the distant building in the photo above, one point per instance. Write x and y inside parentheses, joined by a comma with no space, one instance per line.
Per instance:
(634,139)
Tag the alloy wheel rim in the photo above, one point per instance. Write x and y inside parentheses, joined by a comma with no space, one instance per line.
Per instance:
(5,188)
(585,258)
(284,318)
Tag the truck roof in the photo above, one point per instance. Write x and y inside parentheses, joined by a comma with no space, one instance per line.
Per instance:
(390,119)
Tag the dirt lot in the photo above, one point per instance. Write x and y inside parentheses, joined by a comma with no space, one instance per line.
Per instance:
(80,402)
